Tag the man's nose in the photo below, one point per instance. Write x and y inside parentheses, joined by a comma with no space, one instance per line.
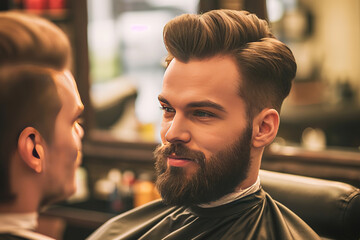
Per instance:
(178,130)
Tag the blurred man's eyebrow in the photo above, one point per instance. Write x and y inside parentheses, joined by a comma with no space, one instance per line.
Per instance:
(162,99)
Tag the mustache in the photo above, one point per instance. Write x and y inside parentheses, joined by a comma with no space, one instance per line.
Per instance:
(179,149)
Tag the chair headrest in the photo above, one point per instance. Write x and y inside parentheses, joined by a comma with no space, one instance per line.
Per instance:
(331,208)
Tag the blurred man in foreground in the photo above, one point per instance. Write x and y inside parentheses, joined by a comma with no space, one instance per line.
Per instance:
(40,137)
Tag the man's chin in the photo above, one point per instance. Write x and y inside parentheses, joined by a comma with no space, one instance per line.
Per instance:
(186,172)
(59,197)
(176,189)
(206,180)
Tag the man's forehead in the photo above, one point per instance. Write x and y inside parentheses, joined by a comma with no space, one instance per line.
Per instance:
(68,91)
(65,82)
(215,70)
(201,81)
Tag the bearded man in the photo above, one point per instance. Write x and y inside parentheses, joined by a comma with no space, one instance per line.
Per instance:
(226,79)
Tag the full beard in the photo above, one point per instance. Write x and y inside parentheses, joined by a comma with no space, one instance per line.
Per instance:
(213,179)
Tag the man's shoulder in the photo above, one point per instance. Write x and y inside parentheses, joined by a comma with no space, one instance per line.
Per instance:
(133,222)
(150,209)
(286,223)
(259,215)
(251,217)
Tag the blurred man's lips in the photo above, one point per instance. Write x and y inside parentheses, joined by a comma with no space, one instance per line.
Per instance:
(178,161)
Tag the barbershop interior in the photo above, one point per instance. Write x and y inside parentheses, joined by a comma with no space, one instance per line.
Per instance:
(119,62)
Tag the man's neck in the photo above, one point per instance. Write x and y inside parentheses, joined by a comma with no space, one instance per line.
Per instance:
(16,208)
(237,194)
(24,202)
(26,186)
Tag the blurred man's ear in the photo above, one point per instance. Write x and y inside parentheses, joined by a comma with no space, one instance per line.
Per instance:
(265,127)
(31,148)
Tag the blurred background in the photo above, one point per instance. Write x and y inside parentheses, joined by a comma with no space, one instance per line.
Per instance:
(119,64)
(126,53)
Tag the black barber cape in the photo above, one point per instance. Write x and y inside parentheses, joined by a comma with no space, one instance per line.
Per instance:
(256,216)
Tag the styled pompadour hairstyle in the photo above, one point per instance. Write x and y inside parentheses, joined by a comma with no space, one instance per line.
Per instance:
(266,66)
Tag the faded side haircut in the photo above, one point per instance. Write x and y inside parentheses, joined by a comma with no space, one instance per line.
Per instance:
(32,51)
(266,66)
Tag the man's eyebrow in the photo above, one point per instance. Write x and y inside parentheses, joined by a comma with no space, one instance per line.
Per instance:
(209,104)
(162,99)
(205,103)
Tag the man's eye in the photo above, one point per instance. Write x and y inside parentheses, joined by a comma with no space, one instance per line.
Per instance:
(204,114)
(167,109)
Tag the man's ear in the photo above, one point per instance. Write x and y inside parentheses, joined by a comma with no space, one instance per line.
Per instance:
(31,148)
(265,127)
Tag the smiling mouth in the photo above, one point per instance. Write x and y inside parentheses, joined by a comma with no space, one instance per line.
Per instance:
(178,161)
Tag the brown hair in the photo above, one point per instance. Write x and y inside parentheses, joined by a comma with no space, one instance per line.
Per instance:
(266,65)
(32,51)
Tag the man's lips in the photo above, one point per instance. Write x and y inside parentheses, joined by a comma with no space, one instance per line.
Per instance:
(178,161)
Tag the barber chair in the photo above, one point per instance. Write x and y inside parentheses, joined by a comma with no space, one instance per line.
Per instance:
(331,208)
